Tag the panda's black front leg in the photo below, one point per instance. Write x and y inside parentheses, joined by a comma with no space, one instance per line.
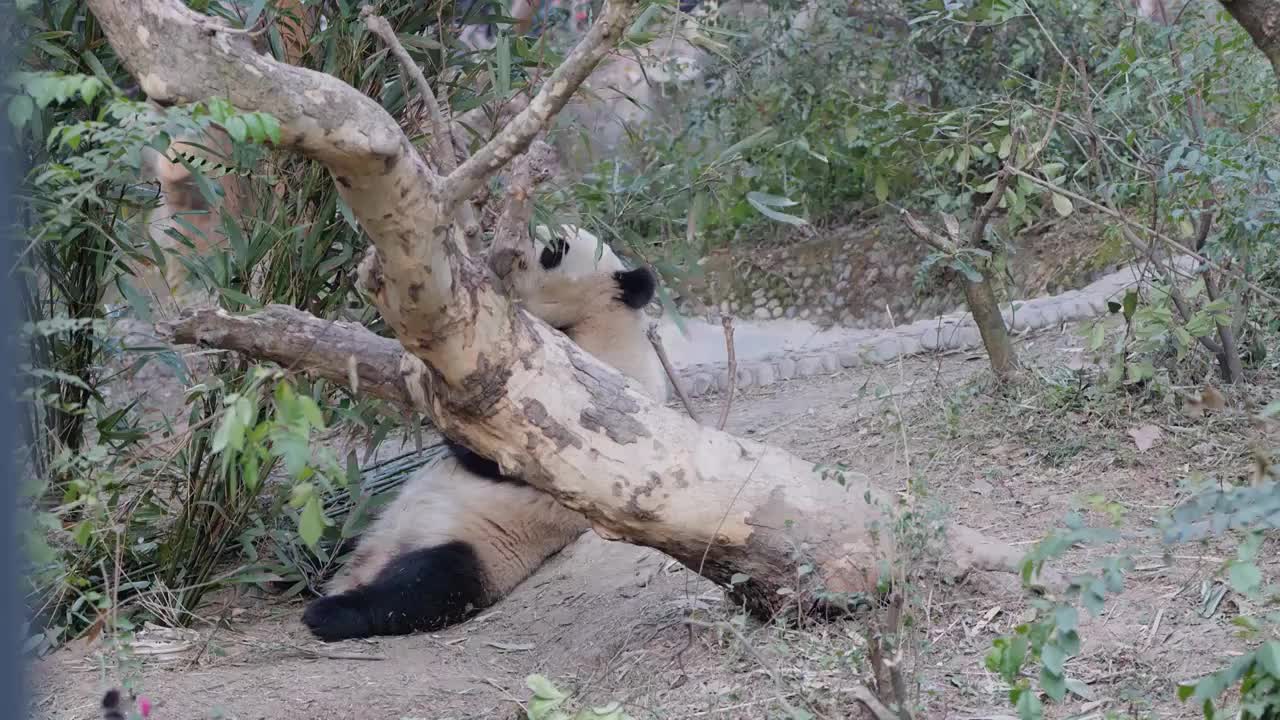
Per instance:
(339,617)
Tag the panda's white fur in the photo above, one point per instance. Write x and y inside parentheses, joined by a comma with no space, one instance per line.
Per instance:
(460,535)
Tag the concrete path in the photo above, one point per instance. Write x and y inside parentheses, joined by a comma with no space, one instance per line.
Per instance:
(772,350)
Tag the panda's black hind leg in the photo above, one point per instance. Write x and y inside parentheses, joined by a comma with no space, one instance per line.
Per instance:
(418,591)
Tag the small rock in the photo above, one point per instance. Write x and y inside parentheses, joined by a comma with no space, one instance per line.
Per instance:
(786,368)
(701,384)
(882,351)
(808,366)
(765,375)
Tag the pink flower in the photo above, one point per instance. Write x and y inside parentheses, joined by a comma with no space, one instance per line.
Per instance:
(144,706)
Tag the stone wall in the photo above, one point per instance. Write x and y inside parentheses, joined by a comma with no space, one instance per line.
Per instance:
(864,276)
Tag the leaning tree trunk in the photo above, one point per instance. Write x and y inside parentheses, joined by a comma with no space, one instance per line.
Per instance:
(493,377)
(1261,19)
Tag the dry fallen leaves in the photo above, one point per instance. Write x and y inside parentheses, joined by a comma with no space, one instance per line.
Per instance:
(1210,400)
(1145,437)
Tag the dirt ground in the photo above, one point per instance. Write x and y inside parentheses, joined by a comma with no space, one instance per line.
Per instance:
(605,620)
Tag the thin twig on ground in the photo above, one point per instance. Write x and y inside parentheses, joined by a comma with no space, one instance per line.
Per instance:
(727,322)
(779,687)
(656,341)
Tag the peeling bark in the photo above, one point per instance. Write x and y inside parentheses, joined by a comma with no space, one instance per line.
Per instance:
(301,342)
(494,378)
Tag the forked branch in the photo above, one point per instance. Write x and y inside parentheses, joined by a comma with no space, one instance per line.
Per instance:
(441,147)
(551,98)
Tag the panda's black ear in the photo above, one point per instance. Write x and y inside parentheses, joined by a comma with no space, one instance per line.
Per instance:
(636,287)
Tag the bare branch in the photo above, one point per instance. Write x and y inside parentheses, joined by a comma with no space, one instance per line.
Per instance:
(727,321)
(551,98)
(922,231)
(656,341)
(512,230)
(299,341)
(1199,257)
(442,150)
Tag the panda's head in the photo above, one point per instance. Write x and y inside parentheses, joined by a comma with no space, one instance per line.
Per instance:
(578,285)
(574,254)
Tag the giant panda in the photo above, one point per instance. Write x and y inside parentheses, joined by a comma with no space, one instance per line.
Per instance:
(460,535)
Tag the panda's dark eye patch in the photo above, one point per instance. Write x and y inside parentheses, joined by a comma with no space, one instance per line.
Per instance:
(553,253)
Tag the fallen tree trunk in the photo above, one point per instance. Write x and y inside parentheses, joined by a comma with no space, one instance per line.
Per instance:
(634,499)
(494,378)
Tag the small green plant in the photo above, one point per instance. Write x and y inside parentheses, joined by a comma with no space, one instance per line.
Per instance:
(1052,636)
(548,703)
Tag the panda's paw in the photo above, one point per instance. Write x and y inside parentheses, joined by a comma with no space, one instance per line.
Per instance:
(338,617)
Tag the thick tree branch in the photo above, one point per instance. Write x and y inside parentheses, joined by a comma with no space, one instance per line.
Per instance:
(1261,19)
(511,234)
(180,56)
(301,342)
(551,98)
